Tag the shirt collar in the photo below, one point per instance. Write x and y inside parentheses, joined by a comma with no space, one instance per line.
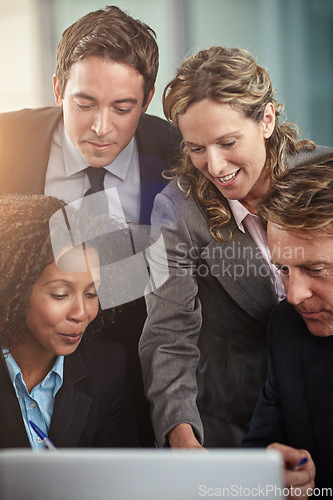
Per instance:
(58,369)
(74,162)
(14,370)
(12,366)
(239,212)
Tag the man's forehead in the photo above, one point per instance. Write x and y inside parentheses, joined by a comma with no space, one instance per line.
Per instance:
(299,246)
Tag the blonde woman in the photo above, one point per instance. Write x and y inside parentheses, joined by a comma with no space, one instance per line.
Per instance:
(203,349)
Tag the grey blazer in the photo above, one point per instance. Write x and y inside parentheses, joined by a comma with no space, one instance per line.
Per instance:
(203,349)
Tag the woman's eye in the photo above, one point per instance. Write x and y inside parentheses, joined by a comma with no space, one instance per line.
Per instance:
(195,150)
(58,296)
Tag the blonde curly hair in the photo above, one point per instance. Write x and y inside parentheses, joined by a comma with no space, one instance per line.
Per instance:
(228,76)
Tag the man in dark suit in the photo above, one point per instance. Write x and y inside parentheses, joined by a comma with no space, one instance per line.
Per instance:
(295,409)
(104,81)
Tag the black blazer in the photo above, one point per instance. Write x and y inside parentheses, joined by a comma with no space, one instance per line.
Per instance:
(296,403)
(25,144)
(92,407)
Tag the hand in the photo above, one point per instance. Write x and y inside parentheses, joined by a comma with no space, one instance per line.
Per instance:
(182,436)
(298,479)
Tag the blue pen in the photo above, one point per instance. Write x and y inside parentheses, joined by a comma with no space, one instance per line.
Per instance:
(48,443)
(301,462)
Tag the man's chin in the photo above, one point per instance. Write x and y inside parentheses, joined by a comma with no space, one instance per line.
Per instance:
(318,328)
(99,161)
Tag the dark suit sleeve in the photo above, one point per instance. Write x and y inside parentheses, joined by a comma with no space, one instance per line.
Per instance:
(117,428)
(267,424)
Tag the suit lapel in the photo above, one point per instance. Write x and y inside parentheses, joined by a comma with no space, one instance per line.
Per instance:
(158,144)
(241,271)
(151,184)
(151,167)
(12,429)
(71,406)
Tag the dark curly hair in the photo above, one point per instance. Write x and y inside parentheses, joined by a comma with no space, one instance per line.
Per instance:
(27,246)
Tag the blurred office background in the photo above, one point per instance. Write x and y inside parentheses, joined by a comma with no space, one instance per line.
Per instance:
(293,39)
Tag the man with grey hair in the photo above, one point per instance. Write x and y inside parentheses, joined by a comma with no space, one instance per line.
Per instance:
(295,409)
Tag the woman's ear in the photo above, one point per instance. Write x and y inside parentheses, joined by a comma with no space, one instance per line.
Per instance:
(268,120)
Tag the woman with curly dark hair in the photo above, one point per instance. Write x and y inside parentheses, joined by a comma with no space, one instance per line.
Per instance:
(203,349)
(72,387)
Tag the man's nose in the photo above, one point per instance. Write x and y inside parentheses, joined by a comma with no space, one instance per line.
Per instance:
(298,288)
(102,124)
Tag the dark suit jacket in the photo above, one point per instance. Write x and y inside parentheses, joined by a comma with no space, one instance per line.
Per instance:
(25,142)
(296,403)
(92,408)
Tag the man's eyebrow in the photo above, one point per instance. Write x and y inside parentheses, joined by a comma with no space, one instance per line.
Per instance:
(130,100)
(305,263)
(82,95)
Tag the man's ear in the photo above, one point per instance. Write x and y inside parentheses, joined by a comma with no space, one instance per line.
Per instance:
(56,90)
(150,96)
(268,120)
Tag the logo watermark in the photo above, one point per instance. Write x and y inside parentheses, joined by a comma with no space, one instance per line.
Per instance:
(265,491)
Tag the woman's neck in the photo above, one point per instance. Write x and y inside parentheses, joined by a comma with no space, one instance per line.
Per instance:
(33,365)
(252,200)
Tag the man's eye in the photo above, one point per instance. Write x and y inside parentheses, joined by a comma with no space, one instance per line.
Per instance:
(315,270)
(83,106)
(123,111)
(229,144)
(284,270)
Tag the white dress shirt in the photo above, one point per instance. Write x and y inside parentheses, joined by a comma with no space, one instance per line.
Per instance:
(66,179)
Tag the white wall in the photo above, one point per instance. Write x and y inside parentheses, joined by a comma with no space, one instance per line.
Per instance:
(20,55)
